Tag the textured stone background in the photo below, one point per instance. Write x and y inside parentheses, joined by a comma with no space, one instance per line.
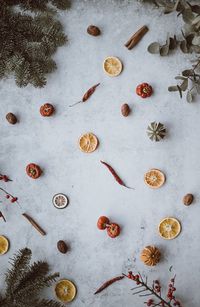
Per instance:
(52,143)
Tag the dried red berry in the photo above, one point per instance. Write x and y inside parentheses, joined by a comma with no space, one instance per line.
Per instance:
(47,110)
(103,222)
(7,196)
(13,199)
(113,230)
(144,90)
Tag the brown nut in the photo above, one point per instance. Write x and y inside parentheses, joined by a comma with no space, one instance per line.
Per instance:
(93,30)
(125,109)
(62,247)
(188,199)
(11,118)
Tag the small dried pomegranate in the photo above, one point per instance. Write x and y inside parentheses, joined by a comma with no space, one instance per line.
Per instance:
(113,230)
(144,90)
(47,109)
(103,222)
(33,170)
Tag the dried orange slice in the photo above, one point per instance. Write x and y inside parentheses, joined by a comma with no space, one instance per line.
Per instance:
(112,66)
(65,290)
(169,228)
(88,142)
(4,245)
(154,178)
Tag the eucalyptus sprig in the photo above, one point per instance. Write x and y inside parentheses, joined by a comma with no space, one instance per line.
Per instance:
(188,42)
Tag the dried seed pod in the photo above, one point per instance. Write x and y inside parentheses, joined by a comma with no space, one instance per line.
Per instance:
(62,247)
(156,131)
(93,30)
(150,255)
(125,110)
(188,199)
(11,118)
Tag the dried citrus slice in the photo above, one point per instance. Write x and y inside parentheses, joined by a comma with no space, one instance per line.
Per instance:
(169,228)
(88,142)
(112,66)
(65,290)
(154,178)
(4,245)
(60,200)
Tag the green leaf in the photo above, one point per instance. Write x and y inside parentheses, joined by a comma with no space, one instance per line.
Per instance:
(189,96)
(183,46)
(184,85)
(173,88)
(164,50)
(154,48)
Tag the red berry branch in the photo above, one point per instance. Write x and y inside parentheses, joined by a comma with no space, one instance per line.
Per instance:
(8,196)
(154,290)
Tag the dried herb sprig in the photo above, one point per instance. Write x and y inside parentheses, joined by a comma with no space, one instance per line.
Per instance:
(188,42)
(87,95)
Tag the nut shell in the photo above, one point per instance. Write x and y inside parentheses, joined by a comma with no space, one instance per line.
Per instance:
(93,30)
(62,247)
(150,255)
(188,199)
(11,118)
(125,109)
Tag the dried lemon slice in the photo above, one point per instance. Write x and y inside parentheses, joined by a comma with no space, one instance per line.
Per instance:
(169,228)
(65,290)
(154,178)
(112,66)
(88,142)
(4,245)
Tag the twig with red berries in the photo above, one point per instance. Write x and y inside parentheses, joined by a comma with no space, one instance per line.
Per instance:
(9,196)
(4,178)
(154,290)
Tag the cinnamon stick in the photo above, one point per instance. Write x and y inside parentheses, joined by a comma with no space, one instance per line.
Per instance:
(136,37)
(34,224)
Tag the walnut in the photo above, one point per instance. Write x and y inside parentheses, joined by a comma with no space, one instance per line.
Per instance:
(125,109)
(93,30)
(188,199)
(11,118)
(150,255)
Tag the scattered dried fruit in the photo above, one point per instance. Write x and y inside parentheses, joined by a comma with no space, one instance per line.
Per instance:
(62,247)
(188,199)
(33,170)
(4,245)
(150,255)
(144,90)
(11,118)
(93,30)
(112,66)
(103,222)
(65,290)
(47,109)
(169,228)
(88,142)
(154,178)
(125,109)
(113,230)
(60,201)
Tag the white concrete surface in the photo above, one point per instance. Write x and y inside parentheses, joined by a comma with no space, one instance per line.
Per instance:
(52,143)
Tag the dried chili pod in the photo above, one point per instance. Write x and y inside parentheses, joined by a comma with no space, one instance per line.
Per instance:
(108,283)
(87,95)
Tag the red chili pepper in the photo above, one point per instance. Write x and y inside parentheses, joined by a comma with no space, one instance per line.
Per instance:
(108,283)
(117,178)
(87,95)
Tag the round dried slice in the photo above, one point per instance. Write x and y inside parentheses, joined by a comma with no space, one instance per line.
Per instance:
(169,228)
(4,245)
(88,142)
(112,66)
(65,290)
(60,201)
(154,178)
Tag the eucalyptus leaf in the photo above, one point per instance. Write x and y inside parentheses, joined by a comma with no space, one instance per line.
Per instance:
(187,72)
(196,20)
(183,46)
(180,78)
(189,96)
(154,48)
(164,50)
(180,91)
(184,85)
(173,88)
(188,15)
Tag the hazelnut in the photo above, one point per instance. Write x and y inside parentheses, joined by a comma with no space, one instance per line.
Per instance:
(11,118)
(125,109)
(62,247)
(188,199)
(93,30)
